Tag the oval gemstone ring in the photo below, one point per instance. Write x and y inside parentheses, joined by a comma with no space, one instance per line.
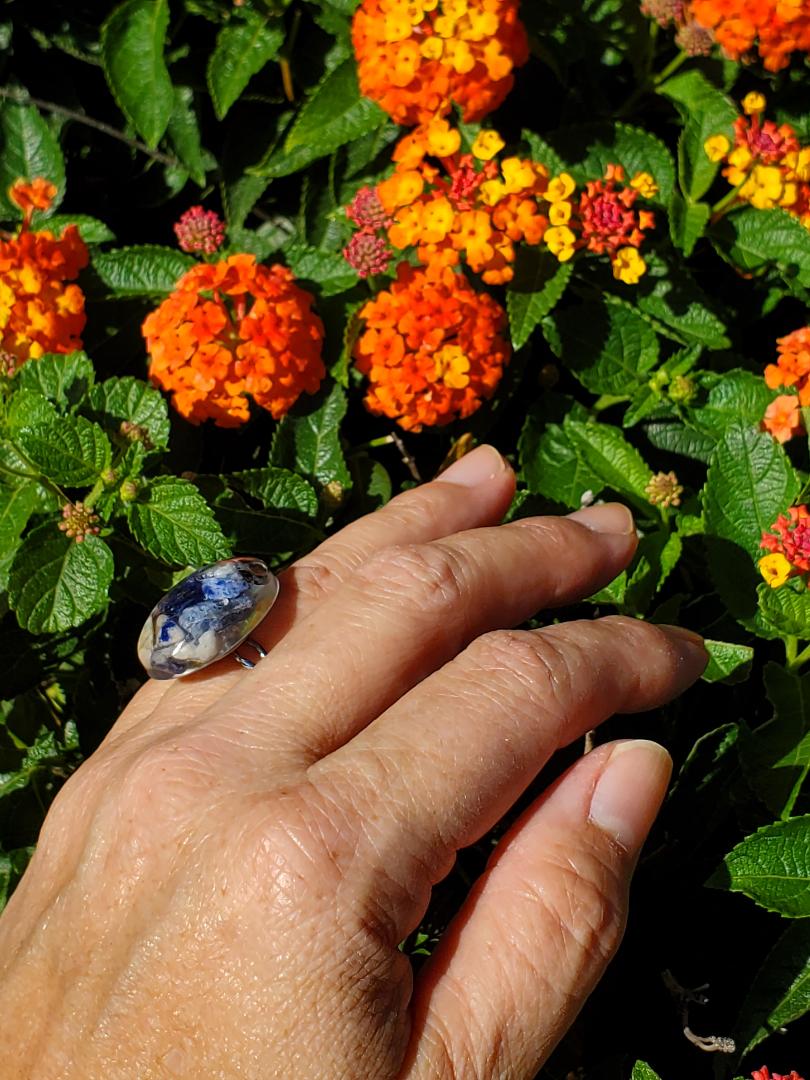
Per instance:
(206,616)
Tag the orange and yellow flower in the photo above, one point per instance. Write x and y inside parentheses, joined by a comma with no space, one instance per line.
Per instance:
(788,545)
(41,310)
(783,417)
(432,350)
(417,57)
(775,28)
(230,330)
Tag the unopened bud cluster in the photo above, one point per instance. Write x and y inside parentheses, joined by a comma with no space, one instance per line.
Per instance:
(78,521)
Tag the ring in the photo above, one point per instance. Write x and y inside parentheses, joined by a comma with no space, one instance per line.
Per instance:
(206,616)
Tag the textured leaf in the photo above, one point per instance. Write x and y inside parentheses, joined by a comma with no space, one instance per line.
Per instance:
(326,269)
(754,239)
(91,230)
(658,555)
(739,396)
(62,379)
(56,583)
(241,51)
(145,270)
(687,223)
(28,149)
(132,399)
(780,992)
(172,521)
(750,481)
(334,115)
(728,662)
(543,152)
(609,348)
(17,504)
(776,756)
(70,451)
(669,294)
(549,462)
(184,134)
(786,608)
(275,534)
(279,489)
(588,149)
(605,450)
(132,42)
(680,439)
(705,111)
(307,440)
(642,1071)
(539,283)
(772,867)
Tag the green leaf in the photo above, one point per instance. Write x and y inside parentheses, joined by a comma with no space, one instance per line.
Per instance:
(17,504)
(780,992)
(754,239)
(679,439)
(91,230)
(539,283)
(728,662)
(184,134)
(62,379)
(144,270)
(588,149)
(772,867)
(776,755)
(134,400)
(740,396)
(642,1071)
(687,223)
(334,115)
(307,440)
(132,43)
(278,489)
(550,464)
(542,152)
(243,48)
(658,555)
(668,293)
(326,269)
(29,149)
(750,481)
(613,593)
(70,451)
(786,608)
(608,347)
(605,450)
(56,583)
(172,521)
(705,111)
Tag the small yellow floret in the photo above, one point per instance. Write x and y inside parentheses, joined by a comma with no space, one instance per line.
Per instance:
(753,103)
(775,569)
(716,147)
(628,266)
(487,144)
(560,241)
(560,187)
(644,183)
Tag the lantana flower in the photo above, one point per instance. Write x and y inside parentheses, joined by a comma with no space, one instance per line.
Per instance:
(41,310)
(432,350)
(788,545)
(774,28)
(230,330)
(417,57)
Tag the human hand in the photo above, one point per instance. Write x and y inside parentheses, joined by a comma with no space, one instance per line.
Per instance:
(219,891)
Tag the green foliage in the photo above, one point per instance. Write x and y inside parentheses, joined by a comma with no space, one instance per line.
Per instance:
(30,149)
(145,270)
(772,866)
(242,50)
(172,521)
(780,992)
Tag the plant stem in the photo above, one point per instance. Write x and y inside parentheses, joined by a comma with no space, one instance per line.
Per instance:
(670,69)
(791,648)
(801,659)
(21,97)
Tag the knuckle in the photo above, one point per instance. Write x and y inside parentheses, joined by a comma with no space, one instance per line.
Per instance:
(426,573)
(538,663)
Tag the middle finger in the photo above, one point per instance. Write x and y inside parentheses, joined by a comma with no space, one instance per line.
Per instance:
(407,612)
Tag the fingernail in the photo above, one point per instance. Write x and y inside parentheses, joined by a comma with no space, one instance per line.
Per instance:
(693,657)
(478,467)
(629,793)
(682,633)
(606,518)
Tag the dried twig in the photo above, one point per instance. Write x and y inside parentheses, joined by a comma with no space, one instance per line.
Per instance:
(710,1043)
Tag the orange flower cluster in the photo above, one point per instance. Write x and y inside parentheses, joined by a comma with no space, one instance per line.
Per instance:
(766,163)
(232,329)
(469,207)
(788,545)
(776,28)
(40,312)
(416,57)
(783,418)
(431,349)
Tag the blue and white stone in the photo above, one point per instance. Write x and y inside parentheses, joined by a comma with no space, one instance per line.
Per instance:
(206,616)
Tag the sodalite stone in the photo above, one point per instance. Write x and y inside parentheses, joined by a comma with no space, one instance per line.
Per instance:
(206,616)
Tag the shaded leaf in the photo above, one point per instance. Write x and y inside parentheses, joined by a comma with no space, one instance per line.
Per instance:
(605,450)
(241,51)
(780,992)
(754,239)
(704,111)
(609,348)
(29,149)
(307,440)
(70,451)
(728,662)
(132,399)
(132,42)
(539,283)
(145,270)
(279,489)
(62,379)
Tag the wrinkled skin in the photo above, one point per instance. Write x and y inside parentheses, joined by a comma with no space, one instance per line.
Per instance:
(220,889)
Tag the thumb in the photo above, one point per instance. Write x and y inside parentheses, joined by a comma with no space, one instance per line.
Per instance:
(541,925)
